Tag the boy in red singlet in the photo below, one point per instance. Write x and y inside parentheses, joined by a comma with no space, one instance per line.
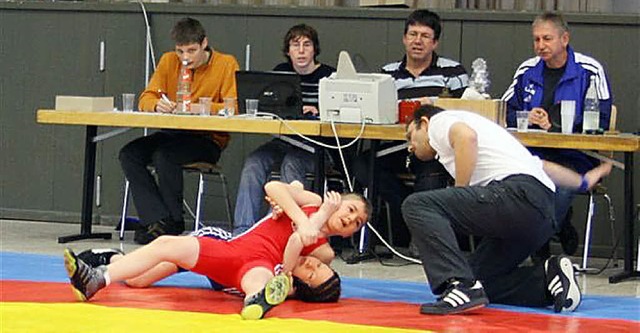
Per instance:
(247,261)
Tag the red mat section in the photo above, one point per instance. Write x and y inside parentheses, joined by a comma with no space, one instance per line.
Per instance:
(351,311)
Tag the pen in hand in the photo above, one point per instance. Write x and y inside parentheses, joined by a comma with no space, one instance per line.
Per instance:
(165,104)
(164,96)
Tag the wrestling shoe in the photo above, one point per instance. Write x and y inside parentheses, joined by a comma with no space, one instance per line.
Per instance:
(98,257)
(457,299)
(85,280)
(562,284)
(274,293)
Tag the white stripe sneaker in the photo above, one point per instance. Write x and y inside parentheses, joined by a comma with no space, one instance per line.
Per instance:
(457,299)
(562,284)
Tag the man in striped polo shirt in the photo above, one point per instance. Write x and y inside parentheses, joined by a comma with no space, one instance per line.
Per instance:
(420,75)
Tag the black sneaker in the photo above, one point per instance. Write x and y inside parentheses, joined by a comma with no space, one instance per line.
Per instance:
(562,284)
(157,229)
(85,280)
(274,293)
(98,257)
(457,299)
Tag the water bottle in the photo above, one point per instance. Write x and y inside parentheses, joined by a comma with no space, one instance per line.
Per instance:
(591,112)
(183,96)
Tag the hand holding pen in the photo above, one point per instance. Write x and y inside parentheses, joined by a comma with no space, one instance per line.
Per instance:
(164,104)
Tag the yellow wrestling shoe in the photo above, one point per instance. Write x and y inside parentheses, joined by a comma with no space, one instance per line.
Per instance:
(274,293)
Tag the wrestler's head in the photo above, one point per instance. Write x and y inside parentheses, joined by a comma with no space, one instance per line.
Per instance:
(315,281)
(354,211)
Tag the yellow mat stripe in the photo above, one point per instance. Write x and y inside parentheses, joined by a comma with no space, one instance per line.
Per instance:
(82,317)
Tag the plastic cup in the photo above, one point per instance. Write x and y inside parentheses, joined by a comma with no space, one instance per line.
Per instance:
(127,102)
(197,108)
(522,118)
(206,105)
(251,107)
(230,106)
(567,115)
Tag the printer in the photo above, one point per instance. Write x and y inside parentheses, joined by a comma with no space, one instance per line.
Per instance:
(350,97)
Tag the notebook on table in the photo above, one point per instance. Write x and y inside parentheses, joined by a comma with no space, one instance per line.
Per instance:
(276,92)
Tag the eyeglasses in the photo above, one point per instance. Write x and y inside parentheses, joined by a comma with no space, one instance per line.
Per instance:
(412,35)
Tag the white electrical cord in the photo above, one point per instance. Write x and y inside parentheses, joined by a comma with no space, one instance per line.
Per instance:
(339,147)
(369,225)
(321,144)
(148,36)
(148,51)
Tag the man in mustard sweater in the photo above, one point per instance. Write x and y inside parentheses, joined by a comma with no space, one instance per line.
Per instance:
(159,205)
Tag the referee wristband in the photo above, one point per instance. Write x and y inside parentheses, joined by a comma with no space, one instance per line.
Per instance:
(584,184)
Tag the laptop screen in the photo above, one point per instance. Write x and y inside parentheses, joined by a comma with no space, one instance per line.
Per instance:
(276,92)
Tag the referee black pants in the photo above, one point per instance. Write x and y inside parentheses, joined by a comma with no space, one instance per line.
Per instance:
(513,216)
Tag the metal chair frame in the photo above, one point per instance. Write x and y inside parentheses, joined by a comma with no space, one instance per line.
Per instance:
(599,190)
(204,171)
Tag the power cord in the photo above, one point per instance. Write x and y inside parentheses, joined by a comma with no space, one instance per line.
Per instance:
(148,35)
(606,265)
(321,144)
(613,252)
(339,147)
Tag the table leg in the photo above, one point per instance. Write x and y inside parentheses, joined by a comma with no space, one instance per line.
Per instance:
(364,251)
(319,175)
(363,245)
(629,242)
(87,191)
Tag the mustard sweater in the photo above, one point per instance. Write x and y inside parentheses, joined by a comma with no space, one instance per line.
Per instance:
(215,79)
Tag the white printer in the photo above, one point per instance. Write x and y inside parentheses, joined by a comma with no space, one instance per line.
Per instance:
(348,97)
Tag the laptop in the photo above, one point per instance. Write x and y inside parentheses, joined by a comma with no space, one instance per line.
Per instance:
(276,92)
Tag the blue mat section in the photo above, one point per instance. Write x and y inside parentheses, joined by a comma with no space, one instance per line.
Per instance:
(46,268)
(592,306)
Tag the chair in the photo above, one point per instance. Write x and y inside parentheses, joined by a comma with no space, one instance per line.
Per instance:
(205,172)
(599,191)
(209,171)
(387,209)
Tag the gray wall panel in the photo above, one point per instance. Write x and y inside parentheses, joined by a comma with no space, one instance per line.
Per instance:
(63,63)
(504,45)
(617,49)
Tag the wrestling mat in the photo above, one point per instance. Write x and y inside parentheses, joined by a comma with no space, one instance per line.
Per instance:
(35,297)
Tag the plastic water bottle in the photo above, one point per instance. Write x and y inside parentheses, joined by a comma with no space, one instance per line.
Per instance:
(591,112)
(183,95)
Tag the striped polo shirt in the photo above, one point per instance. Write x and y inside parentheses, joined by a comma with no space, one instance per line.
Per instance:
(441,73)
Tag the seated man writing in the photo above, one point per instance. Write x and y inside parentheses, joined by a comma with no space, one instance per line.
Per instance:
(158,198)
(247,262)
